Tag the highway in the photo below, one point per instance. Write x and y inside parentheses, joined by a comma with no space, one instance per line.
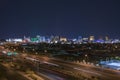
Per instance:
(46,74)
(42,71)
(102,73)
(87,71)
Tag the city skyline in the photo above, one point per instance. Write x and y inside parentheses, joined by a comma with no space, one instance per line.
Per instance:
(67,18)
(59,39)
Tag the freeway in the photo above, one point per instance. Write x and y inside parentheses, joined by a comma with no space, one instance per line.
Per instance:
(50,74)
(102,73)
(46,73)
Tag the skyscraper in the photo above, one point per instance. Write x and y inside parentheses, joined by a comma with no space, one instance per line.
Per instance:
(91,38)
(106,38)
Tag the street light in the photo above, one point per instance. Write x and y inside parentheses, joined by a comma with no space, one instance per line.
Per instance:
(24,50)
(14,49)
(86,57)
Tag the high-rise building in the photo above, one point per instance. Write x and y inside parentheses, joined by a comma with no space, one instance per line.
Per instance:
(55,39)
(41,38)
(106,38)
(26,39)
(80,39)
(85,40)
(38,37)
(63,39)
(91,38)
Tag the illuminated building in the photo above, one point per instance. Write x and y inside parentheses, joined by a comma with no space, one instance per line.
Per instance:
(106,38)
(42,39)
(38,37)
(15,40)
(100,40)
(55,39)
(34,39)
(91,38)
(26,39)
(47,39)
(80,39)
(62,39)
(85,40)
(116,41)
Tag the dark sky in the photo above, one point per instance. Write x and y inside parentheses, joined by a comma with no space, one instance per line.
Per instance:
(69,18)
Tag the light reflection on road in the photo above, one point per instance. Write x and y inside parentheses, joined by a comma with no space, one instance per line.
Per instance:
(47,74)
(86,71)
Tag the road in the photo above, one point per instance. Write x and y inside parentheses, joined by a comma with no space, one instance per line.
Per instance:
(88,71)
(45,72)
(102,73)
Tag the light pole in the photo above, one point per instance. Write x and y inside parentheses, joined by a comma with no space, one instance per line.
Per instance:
(14,49)
(24,50)
(86,58)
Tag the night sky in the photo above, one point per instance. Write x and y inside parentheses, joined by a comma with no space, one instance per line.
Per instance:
(70,18)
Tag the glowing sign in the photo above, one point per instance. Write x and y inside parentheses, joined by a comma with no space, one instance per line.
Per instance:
(34,39)
(9,53)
